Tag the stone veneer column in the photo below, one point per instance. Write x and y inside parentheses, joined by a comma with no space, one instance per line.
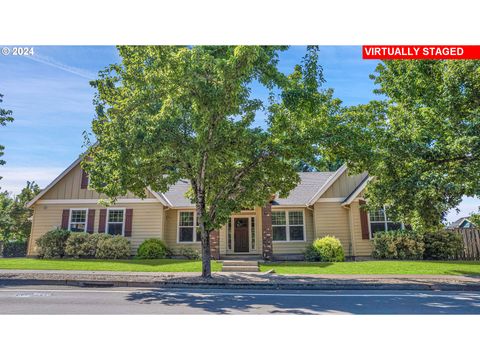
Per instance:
(215,244)
(267,248)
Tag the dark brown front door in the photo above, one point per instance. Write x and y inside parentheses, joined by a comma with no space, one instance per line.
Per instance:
(240,235)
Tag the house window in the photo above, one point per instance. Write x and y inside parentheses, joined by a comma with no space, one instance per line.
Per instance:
(187,227)
(379,221)
(288,226)
(115,221)
(78,220)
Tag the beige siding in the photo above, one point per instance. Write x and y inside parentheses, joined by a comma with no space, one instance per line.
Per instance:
(147,220)
(343,186)
(296,247)
(363,247)
(171,232)
(69,188)
(333,219)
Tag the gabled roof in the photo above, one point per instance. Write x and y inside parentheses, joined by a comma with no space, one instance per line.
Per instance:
(459,223)
(360,187)
(159,197)
(56,180)
(311,187)
(324,187)
(309,184)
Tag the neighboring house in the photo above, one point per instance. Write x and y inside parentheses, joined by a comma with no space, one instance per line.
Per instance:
(462,223)
(323,203)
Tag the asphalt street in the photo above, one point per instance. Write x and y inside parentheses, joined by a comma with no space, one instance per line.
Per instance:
(76,300)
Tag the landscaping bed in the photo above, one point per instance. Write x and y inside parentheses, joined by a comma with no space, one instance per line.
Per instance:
(157,265)
(376,267)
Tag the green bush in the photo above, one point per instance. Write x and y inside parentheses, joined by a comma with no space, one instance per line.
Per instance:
(52,244)
(188,253)
(81,244)
(113,247)
(16,248)
(152,249)
(400,245)
(442,245)
(326,249)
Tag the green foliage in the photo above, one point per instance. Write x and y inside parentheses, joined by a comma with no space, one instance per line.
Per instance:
(326,249)
(475,219)
(113,247)
(152,249)
(15,223)
(188,253)
(5,116)
(81,244)
(442,245)
(167,113)
(400,244)
(52,244)
(420,142)
(17,248)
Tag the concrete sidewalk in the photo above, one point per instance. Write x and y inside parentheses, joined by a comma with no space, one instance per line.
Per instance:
(240,280)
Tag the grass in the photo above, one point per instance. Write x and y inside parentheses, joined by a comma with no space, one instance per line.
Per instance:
(377,267)
(160,265)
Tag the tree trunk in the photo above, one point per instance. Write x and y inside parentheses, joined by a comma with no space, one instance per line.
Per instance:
(205,237)
(206,266)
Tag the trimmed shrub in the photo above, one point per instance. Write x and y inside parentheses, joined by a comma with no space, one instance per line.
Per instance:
(51,245)
(188,253)
(152,249)
(442,245)
(16,248)
(113,247)
(400,245)
(81,244)
(326,249)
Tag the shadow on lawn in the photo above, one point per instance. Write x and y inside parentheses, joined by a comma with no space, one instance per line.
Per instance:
(238,303)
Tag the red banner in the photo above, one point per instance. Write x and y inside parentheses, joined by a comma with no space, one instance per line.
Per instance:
(421,52)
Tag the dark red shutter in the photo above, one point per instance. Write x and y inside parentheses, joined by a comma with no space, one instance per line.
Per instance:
(364,220)
(128,222)
(84,183)
(102,221)
(90,220)
(65,216)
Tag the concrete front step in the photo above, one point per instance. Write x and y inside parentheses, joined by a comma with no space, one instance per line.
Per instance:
(237,268)
(240,263)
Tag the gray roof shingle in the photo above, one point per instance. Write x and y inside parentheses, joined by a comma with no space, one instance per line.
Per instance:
(310,183)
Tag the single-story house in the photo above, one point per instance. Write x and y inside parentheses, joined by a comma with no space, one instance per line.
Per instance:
(323,203)
(462,223)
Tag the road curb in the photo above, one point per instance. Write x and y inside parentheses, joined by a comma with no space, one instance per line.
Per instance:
(334,285)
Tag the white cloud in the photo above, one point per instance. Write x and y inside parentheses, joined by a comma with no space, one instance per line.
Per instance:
(14,179)
(61,66)
(466,207)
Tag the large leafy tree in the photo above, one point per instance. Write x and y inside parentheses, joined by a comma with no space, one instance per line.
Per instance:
(15,217)
(421,142)
(5,117)
(168,113)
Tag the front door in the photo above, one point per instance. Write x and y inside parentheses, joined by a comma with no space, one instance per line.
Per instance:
(240,235)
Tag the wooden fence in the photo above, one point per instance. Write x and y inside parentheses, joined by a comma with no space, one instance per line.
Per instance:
(471,242)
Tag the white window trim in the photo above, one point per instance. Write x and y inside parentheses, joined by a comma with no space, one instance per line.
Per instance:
(70,219)
(385,222)
(108,222)
(195,228)
(287,225)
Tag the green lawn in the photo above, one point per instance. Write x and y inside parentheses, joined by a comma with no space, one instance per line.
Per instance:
(166,265)
(377,267)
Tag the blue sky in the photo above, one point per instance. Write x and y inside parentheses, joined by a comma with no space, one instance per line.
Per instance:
(51,99)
